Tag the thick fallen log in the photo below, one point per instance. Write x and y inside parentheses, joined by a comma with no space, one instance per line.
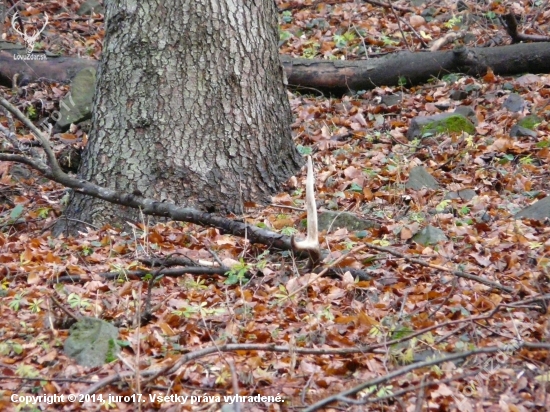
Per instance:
(337,76)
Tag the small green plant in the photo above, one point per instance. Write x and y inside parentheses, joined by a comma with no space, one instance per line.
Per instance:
(298,192)
(380,393)
(43,212)
(186,311)
(282,294)
(342,40)
(355,188)
(443,205)
(382,242)
(388,41)
(87,250)
(454,21)
(75,301)
(198,284)
(34,305)
(464,210)
(15,303)
(31,113)
(370,172)
(26,371)
(326,314)
(507,158)
(288,231)
(262,261)
(304,150)
(8,347)
(311,50)
(237,273)
(284,36)
(417,217)
(349,244)
(189,310)
(286,16)
(527,160)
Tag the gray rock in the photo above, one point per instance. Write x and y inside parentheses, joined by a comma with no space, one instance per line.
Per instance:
(468,112)
(91,5)
(392,99)
(514,103)
(438,124)
(464,194)
(77,106)
(430,235)
(518,131)
(419,178)
(458,95)
(350,221)
(92,342)
(539,210)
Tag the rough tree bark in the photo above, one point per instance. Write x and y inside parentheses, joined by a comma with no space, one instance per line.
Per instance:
(190,107)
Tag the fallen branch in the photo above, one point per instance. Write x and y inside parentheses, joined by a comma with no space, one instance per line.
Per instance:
(183,214)
(383,379)
(151,207)
(510,23)
(442,268)
(173,367)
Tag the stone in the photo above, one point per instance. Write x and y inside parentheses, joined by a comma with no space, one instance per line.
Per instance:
(514,103)
(539,210)
(430,235)
(334,220)
(77,106)
(420,178)
(92,342)
(439,124)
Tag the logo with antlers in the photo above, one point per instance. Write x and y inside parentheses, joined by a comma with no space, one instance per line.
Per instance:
(29,39)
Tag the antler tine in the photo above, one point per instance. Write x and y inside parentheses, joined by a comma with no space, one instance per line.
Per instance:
(311,244)
(13,22)
(43,26)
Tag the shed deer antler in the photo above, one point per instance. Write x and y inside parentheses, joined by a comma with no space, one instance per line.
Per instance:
(311,244)
(29,39)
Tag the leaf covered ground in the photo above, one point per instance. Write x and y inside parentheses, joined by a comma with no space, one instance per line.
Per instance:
(339,332)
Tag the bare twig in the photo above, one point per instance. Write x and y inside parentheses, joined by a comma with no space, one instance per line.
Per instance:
(399,25)
(442,268)
(399,372)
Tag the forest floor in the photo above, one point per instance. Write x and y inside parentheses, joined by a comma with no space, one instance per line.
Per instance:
(388,341)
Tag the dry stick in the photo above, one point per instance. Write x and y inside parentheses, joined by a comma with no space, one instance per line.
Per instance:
(148,205)
(138,349)
(153,373)
(527,301)
(399,372)
(235,384)
(385,5)
(399,25)
(394,395)
(443,268)
(30,125)
(419,37)
(41,378)
(64,309)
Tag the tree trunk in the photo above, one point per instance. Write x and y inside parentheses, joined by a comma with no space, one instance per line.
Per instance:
(190,107)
